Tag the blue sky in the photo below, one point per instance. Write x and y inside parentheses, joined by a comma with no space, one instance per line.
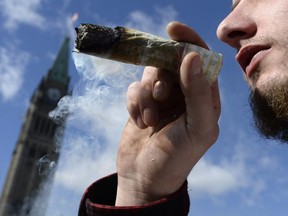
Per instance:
(241,174)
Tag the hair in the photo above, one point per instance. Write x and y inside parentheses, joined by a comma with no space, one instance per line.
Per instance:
(271,114)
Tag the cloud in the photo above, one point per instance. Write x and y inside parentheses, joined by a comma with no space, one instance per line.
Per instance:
(212,179)
(217,180)
(17,12)
(12,67)
(245,173)
(88,159)
(155,24)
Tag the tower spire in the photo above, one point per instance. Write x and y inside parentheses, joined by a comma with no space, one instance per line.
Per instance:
(59,70)
(23,189)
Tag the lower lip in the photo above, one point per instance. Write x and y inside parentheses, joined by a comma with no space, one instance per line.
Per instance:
(255,61)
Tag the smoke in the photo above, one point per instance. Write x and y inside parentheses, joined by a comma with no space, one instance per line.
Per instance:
(45,165)
(97,114)
(97,105)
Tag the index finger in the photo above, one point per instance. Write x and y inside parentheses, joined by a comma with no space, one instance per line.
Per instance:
(183,33)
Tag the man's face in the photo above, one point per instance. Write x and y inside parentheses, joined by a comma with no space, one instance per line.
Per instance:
(258,30)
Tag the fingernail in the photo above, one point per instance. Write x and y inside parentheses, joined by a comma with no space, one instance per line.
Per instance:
(159,89)
(148,116)
(196,65)
(151,117)
(140,122)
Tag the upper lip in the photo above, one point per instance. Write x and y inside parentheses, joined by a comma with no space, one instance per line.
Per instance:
(246,54)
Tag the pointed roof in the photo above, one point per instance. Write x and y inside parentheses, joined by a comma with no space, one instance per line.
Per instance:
(59,69)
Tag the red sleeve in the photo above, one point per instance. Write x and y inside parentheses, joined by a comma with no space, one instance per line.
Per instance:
(99,200)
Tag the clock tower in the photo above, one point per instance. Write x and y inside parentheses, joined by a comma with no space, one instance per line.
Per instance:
(36,142)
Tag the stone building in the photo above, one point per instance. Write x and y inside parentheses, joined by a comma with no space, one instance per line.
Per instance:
(36,142)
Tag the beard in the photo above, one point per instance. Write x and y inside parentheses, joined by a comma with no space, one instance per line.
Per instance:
(270,111)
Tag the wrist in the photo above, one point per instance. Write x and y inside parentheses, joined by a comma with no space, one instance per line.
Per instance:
(130,198)
(134,193)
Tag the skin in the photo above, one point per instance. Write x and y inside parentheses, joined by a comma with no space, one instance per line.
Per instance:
(174,116)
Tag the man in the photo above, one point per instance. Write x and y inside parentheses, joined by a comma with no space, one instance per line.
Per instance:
(174,116)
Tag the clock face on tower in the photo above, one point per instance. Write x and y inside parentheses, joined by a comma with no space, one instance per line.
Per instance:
(54,94)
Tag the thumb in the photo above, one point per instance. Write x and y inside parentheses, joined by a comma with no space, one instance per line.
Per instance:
(201,118)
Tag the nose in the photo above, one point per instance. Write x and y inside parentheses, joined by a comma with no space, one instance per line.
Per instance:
(237,26)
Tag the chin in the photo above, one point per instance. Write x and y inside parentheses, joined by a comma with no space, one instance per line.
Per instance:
(266,121)
(267,81)
(269,103)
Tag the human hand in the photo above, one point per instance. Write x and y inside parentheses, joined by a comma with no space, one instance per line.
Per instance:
(173,122)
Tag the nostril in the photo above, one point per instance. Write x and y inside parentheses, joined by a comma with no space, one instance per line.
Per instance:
(236,34)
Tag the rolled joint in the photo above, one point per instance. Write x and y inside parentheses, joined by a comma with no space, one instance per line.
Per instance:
(141,48)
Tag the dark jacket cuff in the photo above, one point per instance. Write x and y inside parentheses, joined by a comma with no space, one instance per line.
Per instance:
(99,200)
